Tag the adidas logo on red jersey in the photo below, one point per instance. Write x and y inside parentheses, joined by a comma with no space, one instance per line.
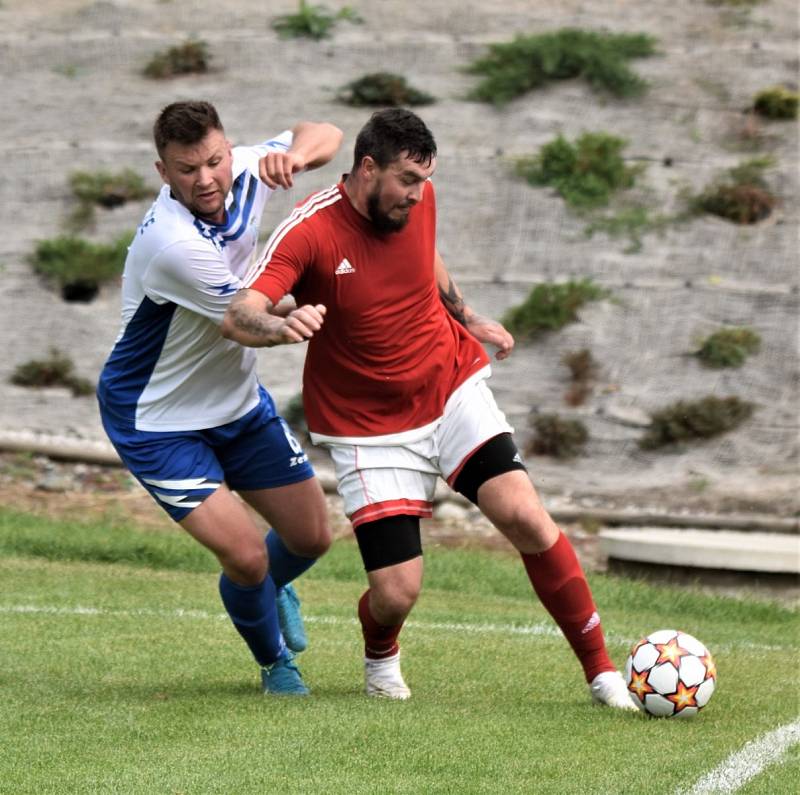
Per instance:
(344,267)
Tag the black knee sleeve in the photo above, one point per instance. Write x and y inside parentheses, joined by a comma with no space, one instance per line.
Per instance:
(385,542)
(497,456)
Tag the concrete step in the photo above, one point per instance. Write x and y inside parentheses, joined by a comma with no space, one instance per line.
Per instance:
(707,549)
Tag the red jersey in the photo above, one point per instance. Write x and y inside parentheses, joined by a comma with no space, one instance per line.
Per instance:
(389,354)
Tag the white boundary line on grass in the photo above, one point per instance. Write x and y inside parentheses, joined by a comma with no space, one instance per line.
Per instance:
(541,629)
(78,610)
(754,756)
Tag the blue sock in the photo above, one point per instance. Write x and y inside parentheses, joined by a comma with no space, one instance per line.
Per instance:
(284,565)
(254,614)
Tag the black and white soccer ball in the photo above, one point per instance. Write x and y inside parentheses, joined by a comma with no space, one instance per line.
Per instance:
(670,674)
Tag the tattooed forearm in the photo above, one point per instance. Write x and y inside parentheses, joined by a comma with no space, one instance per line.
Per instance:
(453,301)
(248,325)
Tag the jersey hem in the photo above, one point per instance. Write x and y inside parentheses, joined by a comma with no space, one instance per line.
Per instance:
(407,436)
(213,422)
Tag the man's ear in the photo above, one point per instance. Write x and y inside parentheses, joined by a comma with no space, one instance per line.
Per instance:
(162,171)
(368,167)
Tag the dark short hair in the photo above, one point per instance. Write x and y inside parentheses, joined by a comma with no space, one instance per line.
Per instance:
(392,132)
(185,123)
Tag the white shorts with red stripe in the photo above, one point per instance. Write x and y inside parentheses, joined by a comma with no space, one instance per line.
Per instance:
(386,476)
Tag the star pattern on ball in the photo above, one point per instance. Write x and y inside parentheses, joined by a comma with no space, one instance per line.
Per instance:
(640,685)
(670,652)
(642,642)
(711,666)
(683,697)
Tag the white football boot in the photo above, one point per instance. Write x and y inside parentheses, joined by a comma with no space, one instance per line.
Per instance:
(383,678)
(609,688)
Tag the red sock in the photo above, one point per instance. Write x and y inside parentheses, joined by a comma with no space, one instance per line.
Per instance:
(379,641)
(560,584)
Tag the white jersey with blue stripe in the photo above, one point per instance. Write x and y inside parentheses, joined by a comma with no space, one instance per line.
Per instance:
(170,368)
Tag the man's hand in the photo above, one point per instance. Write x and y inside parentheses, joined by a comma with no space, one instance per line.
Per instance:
(301,323)
(490,331)
(276,169)
(313,145)
(250,321)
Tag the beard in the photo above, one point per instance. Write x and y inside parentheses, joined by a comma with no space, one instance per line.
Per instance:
(382,221)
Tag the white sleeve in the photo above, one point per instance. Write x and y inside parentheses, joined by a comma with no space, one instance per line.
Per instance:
(279,143)
(193,275)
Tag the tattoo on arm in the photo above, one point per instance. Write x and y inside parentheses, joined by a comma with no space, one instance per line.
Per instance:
(453,301)
(260,324)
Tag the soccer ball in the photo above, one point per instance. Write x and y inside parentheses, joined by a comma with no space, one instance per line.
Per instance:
(670,674)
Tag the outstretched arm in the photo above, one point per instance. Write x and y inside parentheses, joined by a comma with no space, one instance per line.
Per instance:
(482,328)
(249,321)
(313,145)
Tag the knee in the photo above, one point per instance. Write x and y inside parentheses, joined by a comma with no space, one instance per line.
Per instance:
(246,566)
(528,526)
(392,602)
(314,543)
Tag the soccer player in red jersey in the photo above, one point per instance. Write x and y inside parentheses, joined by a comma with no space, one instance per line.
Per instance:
(394,386)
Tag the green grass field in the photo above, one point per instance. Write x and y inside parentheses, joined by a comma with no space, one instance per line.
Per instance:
(119,673)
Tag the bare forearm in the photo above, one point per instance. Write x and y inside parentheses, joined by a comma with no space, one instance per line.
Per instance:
(250,321)
(482,328)
(250,325)
(315,142)
(449,293)
(453,301)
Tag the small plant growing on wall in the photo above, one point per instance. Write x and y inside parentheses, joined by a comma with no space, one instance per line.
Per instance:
(108,189)
(631,221)
(191,57)
(530,62)
(728,347)
(557,436)
(103,189)
(312,21)
(77,266)
(382,89)
(550,306)
(741,196)
(583,368)
(56,370)
(585,173)
(692,420)
(776,103)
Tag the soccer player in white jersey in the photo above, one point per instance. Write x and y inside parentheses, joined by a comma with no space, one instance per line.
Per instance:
(183,406)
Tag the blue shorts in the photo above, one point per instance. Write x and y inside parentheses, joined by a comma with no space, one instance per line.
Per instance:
(181,469)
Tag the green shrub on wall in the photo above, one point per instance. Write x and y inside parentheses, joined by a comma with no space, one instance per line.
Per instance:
(585,173)
(382,89)
(687,421)
(191,57)
(312,21)
(551,306)
(529,62)
(728,347)
(557,436)
(56,370)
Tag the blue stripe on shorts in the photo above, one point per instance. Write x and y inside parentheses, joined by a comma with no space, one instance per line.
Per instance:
(181,469)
